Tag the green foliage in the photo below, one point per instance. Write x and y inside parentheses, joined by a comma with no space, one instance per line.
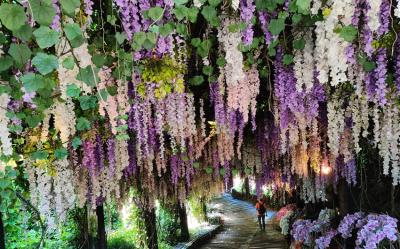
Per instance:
(46,37)
(20,53)
(69,6)
(348,33)
(24,33)
(168,226)
(42,11)
(89,75)
(12,16)
(45,63)
(74,34)
(198,208)
(276,26)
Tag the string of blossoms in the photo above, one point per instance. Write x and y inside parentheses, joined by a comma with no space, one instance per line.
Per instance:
(247,9)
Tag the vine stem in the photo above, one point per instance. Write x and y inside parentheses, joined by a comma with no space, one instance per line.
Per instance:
(394,30)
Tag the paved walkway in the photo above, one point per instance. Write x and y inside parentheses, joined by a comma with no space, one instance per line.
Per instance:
(241,228)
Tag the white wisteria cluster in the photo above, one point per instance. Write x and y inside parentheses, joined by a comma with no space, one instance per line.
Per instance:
(230,42)
(64,120)
(307,192)
(304,64)
(335,125)
(397,10)
(235,4)
(6,144)
(284,223)
(110,105)
(333,57)
(373,14)
(64,193)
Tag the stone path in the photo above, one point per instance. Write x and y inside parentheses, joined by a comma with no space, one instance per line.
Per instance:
(241,230)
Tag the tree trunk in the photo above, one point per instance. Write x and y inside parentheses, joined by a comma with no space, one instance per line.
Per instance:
(343,192)
(101,229)
(151,227)
(246,187)
(2,233)
(183,222)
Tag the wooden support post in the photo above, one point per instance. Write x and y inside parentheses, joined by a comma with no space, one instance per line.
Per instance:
(151,228)
(183,222)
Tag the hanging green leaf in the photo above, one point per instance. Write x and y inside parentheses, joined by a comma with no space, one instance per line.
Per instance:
(303,6)
(296,18)
(69,63)
(299,44)
(180,2)
(221,61)
(287,59)
(73,91)
(209,170)
(180,12)
(167,29)
(196,80)
(214,3)
(69,6)
(46,37)
(87,102)
(138,39)
(120,37)
(32,82)
(45,63)
(74,34)
(76,142)
(60,153)
(195,42)
(208,70)
(196,165)
(34,120)
(12,16)
(348,33)
(20,53)
(88,75)
(24,33)
(5,63)
(40,155)
(82,124)
(192,14)
(42,11)
(276,26)
(155,13)
(209,12)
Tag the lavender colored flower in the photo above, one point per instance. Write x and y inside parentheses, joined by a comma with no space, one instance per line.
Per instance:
(129,13)
(380,74)
(325,240)
(384,18)
(265,18)
(88,7)
(57,18)
(348,224)
(301,231)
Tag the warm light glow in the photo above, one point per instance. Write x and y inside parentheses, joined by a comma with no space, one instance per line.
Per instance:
(325,169)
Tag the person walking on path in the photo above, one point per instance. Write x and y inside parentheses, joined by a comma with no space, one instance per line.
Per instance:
(261,210)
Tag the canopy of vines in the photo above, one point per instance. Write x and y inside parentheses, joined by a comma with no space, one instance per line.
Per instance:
(173,96)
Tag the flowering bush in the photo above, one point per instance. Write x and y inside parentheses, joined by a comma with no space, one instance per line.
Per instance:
(284,222)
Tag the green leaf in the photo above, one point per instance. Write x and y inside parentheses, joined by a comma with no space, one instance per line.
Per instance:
(154,28)
(180,2)
(46,37)
(167,29)
(195,42)
(87,102)
(214,3)
(40,155)
(74,34)
(209,170)
(73,91)
(76,142)
(69,6)
(43,11)
(348,33)
(181,29)
(221,61)
(276,26)
(5,63)
(222,172)
(155,13)
(99,60)
(20,53)
(303,6)
(138,40)
(12,16)
(111,19)
(287,59)
(180,12)
(208,70)
(121,37)
(197,80)
(24,33)
(150,42)
(296,18)
(247,171)
(299,44)
(196,165)
(45,63)
(34,120)
(60,153)
(82,124)
(88,75)
(32,82)
(192,14)
(69,63)
(209,13)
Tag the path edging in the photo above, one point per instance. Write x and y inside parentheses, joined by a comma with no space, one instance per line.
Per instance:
(200,238)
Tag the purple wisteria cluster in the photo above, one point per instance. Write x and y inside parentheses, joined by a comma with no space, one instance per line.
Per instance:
(301,231)
(247,9)
(134,20)
(349,223)
(265,17)
(377,228)
(325,240)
